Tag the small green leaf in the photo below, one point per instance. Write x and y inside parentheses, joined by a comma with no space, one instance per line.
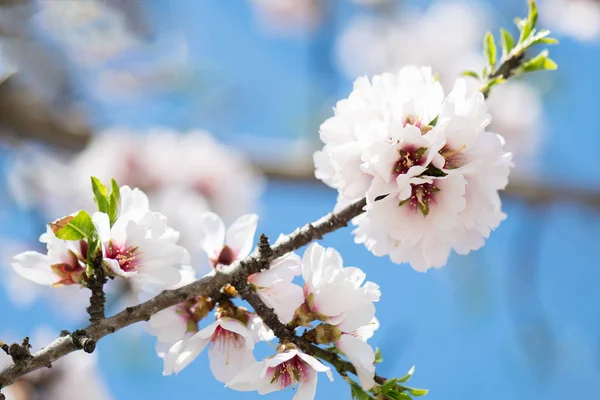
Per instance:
(359,394)
(114,201)
(539,62)
(100,194)
(489,48)
(378,356)
(507,42)
(472,74)
(417,392)
(74,228)
(388,385)
(533,13)
(434,121)
(408,375)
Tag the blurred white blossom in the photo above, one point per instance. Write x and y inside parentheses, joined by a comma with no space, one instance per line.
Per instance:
(577,18)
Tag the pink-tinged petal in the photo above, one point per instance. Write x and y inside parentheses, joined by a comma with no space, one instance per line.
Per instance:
(171,355)
(311,261)
(284,298)
(248,379)
(212,234)
(279,358)
(35,267)
(362,356)
(192,348)
(240,235)
(168,326)
(102,224)
(228,362)
(316,364)
(114,266)
(133,199)
(367,331)
(358,315)
(235,326)
(307,389)
(260,331)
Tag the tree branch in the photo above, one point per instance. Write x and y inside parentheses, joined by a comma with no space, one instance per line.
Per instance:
(206,286)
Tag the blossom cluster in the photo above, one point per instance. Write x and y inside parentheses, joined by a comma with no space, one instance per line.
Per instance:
(346,321)
(429,169)
(129,241)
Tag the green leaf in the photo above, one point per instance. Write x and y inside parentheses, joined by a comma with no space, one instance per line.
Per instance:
(74,228)
(114,201)
(539,62)
(527,26)
(100,194)
(378,356)
(472,74)
(489,48)
(359,394)
(417,392)
(408,375)
(388,385)
(507,42)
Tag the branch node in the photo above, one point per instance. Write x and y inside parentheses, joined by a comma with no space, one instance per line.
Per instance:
(98,298)
(265,251)
(81,340)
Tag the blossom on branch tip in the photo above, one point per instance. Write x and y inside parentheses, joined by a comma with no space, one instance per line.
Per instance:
(289,367)
(428,168)
(140,245)
(64,263)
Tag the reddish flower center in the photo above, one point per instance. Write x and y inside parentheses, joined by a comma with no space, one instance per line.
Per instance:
(125,255)
(453,158)
(290,372)
(225,340)
(421,197)
(409,156)
(226,257)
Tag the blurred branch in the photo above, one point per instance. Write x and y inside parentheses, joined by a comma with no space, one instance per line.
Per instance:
(25,116)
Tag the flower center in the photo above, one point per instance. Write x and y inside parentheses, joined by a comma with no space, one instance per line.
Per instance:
(226,257)
(421,197)
(416,122)
(126,256)
(453,158)
(409,157)
(225,340)
(290,372)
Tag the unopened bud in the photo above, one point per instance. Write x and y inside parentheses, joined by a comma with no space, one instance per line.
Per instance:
(324,334)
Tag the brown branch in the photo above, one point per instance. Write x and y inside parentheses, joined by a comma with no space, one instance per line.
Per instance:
(237,272)
(98,298)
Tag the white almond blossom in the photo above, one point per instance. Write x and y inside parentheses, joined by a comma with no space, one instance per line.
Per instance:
(140,245)
(287,368)
(276,289)
(63,264)
(334,293)
(427,166)
(354,346)
(445,36)
(577,18)
(231,344)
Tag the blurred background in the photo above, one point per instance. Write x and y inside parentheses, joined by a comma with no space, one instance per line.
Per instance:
(216,105)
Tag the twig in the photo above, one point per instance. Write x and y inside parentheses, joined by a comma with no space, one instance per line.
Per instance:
(238,272)
(98,298)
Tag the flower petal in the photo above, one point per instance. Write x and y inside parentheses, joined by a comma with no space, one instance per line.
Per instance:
(240,235)
(35,267)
